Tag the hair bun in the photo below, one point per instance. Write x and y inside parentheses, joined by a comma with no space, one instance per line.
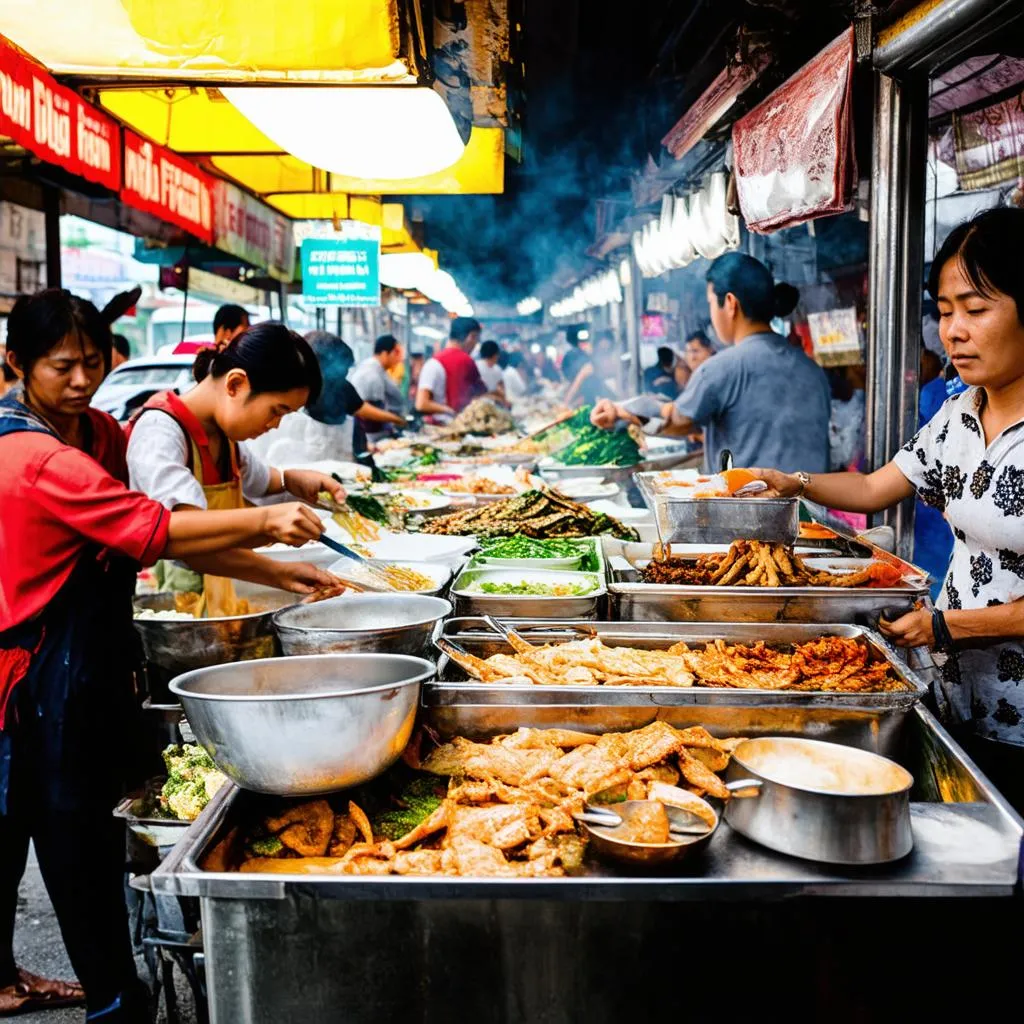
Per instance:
(203,363)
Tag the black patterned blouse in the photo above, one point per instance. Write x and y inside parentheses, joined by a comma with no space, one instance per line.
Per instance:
(981,493)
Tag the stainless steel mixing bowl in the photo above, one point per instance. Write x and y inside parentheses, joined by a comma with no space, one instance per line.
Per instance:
(301,726)
(174,646)
(397,623)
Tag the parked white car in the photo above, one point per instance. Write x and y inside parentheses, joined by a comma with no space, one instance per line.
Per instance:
(133,382)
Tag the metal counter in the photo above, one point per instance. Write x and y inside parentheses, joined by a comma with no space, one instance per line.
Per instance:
(436,949)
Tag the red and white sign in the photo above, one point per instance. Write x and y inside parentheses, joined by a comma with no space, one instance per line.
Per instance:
(168,186)
(54,123)
(252,231)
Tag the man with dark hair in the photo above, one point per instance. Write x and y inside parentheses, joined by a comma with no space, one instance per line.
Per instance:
(488,363)
(659,379)
(761,398)
(450,380)
(228,322)
(121,352)
(371,379)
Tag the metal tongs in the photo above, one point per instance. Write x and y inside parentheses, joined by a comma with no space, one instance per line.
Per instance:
(681,822)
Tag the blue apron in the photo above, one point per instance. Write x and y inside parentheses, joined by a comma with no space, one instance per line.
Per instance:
(70,717)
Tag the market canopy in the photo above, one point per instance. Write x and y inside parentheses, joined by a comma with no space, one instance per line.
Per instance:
(230,40)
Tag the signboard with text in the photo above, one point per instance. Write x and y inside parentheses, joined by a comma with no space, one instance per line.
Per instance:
(341,272)
(168,186)
(54,123)
(836,337)
(252,231)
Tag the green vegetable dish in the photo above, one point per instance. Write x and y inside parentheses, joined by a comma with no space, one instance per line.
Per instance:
(519,546)
(527,589)
(192,780)
(591,446)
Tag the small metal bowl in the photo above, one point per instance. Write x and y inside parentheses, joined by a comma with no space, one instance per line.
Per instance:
(603,842)
(398,623)
(302,726)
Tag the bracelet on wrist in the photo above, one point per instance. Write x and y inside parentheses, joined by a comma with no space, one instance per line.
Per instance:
(940,630)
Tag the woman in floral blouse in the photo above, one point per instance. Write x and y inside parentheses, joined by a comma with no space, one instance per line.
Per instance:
(968,462)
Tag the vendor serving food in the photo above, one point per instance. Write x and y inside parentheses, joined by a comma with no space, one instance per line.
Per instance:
(71,540)
(968,462)
(187,453)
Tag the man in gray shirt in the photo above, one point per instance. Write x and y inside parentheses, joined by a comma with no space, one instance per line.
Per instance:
(761,398)
(370,378)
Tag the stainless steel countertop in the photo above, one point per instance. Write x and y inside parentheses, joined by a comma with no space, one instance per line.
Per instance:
(960,849)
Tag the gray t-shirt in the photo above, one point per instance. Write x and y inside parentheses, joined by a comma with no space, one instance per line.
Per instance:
(374,385)
(765,401)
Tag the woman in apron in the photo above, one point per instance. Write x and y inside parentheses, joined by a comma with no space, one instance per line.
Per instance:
(967,462)
(71,540)
(188,452)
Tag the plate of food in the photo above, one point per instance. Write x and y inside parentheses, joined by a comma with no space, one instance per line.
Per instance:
(517,552)
(587,488)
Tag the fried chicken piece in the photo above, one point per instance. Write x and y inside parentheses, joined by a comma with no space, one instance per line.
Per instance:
(659,773)
(646,822)
(305,828)
(590,769)
(532,739)
(564,851)
(736,570)
(637,789)
(503,826)
(343,836)
(418,862)
(642,747)
(451,758)
(715,760)
(362,822)
(698,774)
(469,857)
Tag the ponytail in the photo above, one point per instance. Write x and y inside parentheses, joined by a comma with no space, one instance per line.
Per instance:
(273,357)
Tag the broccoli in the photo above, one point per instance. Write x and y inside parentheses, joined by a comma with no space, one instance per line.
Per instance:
(415,804)
(268,846)
(192,780)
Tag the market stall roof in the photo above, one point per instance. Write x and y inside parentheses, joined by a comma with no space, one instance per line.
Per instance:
(232,40)
(201,124)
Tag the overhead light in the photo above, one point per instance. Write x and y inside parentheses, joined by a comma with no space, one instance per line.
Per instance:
(583,335)
(528,306)
(405,269)
(428,332)
(389,132)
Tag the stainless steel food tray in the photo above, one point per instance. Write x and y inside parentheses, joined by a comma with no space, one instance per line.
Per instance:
(595,542)
(631,600)
(967,843)
(719,520)
(453,689)
(527,606)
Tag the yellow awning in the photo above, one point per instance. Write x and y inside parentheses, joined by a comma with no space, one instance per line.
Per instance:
(481,169)
(229,40)
(330,206)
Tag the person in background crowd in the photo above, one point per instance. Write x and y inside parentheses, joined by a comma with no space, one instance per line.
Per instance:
(450,380)
(190,451)
(121,352)
(381,394)
(329,427)
(416,361)
(228,323)
(660,379)
(698,350)
(848,416)
(682,374)
(514,378)
(931,367)
(760,398)
(488,360)
(543,367)
(596,375)
(72,538)
(968,462)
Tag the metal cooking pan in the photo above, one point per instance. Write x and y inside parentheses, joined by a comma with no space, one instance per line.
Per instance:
(822,801)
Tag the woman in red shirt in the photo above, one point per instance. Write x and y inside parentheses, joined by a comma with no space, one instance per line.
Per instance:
(72,538)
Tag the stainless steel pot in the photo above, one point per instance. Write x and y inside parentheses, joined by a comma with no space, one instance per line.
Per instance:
(396,623)
(822,801)
(174,646)
(300,726)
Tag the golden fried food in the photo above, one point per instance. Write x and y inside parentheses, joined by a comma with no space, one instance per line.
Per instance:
(829,664)
(751,563)
(509,807)
(406,579)
(646,822)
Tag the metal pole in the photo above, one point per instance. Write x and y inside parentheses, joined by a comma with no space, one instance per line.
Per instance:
(895,279)
(51,213)
(282,300)
(633,292)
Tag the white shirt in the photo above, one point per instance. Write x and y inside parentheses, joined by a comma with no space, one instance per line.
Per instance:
(301,440)
(434,379)
(980,490)
(492,376)
(515,386)
(158,464)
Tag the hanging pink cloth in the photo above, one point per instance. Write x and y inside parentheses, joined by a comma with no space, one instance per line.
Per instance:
(793,153)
